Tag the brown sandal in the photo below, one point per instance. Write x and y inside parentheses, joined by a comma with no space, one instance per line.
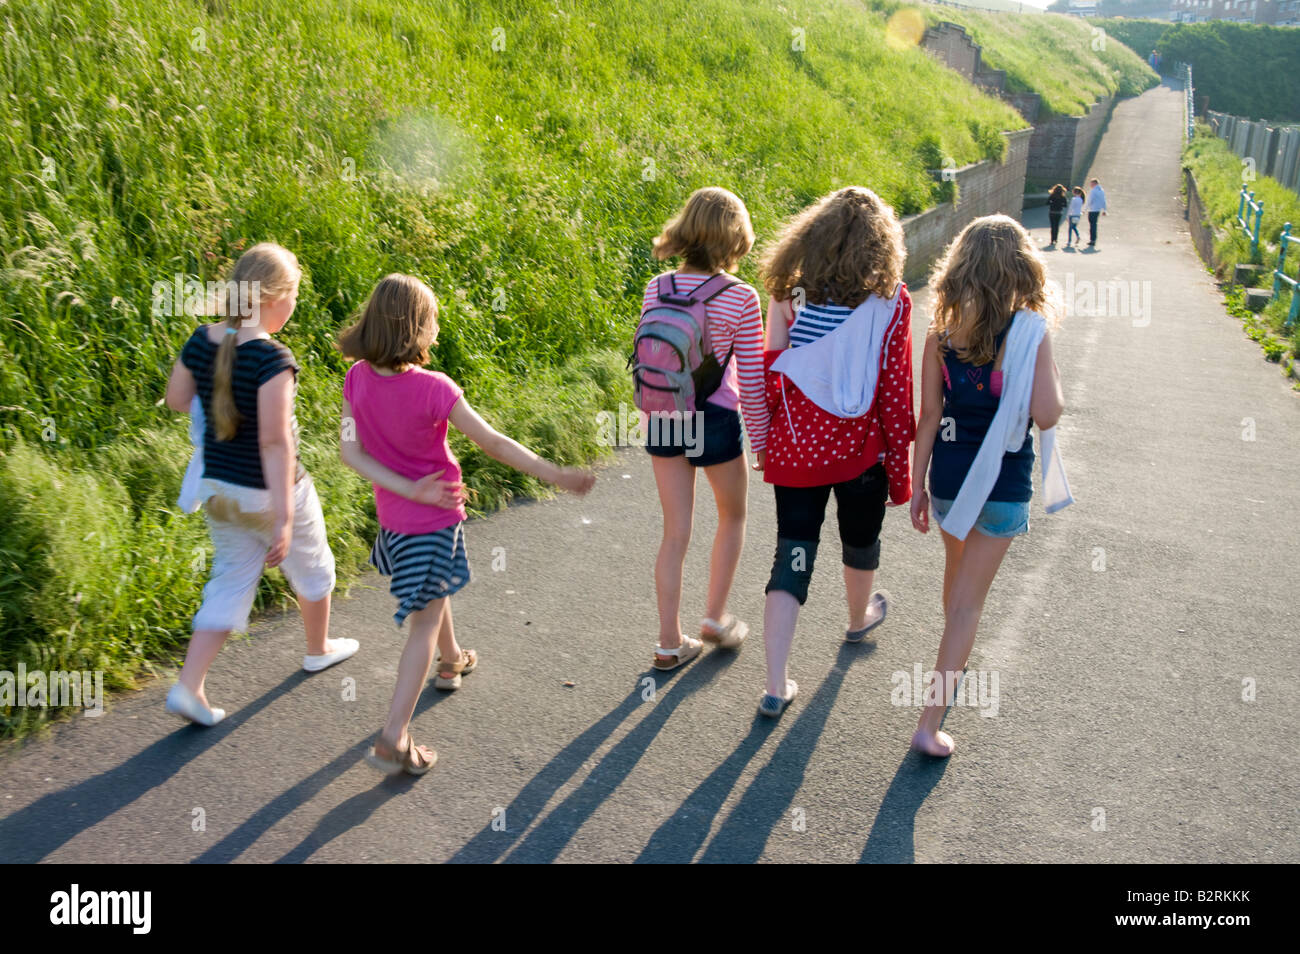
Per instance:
(413,760)
(688,650)
(461,667)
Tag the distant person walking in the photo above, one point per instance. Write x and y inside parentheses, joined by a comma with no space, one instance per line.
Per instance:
(1154,60)
(1074,214)
(1096,207)
(1057,200)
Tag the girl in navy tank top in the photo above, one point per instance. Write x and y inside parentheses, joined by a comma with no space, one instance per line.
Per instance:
(989,273)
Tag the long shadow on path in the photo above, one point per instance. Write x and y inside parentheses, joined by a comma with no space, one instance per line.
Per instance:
(338,820)
(545,842)
(743,836)
(893,836)
(38,829)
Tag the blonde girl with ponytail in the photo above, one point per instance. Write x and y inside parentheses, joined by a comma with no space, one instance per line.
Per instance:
(259,501)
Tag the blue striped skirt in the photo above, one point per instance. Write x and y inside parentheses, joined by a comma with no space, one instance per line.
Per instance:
(424,566)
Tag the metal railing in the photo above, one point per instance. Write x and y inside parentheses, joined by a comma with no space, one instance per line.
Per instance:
(1189,101)
(1280,277)
(1246,208)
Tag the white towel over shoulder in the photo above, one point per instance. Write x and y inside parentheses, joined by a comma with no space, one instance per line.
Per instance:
(1007,432)
(838,372)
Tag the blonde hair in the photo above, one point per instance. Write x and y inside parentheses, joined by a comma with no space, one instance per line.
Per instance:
(266,272)
(988,273)
(840,249)
(712,232)
(398,324)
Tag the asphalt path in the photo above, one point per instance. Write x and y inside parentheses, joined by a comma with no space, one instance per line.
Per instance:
(1124,634)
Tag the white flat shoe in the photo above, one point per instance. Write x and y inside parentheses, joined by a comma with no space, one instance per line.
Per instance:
(346,648)
(182,702)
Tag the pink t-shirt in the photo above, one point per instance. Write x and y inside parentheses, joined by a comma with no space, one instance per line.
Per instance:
(401,421)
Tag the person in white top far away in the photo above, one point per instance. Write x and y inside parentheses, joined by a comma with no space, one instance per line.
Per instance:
(1096,207)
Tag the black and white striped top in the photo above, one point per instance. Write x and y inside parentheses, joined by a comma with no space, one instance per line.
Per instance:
(238,460)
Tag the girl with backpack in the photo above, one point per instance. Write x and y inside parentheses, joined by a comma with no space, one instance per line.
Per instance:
(839,385)
(698,359)
(395,419)
(260,503)
(988,371)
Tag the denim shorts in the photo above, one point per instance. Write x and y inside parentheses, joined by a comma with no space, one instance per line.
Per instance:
(998,518)
(704,438)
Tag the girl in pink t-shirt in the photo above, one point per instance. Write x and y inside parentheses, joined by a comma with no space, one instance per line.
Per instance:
(395,417)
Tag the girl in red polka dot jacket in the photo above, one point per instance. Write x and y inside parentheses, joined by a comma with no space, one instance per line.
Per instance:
(838,366)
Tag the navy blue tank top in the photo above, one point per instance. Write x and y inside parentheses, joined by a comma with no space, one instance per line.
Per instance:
(970,399)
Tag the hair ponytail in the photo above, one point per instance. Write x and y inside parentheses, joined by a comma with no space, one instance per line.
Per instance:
(225,416)
(266,272)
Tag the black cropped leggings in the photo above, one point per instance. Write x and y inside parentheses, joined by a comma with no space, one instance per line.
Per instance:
(860,511)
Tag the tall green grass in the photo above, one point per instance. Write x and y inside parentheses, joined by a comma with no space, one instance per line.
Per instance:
(519,155)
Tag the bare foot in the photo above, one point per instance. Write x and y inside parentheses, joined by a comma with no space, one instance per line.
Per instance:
(937,744)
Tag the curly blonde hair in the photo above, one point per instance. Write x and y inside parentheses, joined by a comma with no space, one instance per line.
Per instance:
(842,248)
(988,273)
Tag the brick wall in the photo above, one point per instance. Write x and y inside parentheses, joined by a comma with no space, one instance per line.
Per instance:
(983,188)
(1061,148)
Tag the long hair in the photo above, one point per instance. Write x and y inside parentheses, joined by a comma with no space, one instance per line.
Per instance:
(711,232)
(1058,190)
(266,272)
(842,248)
(398,324)
(988,273)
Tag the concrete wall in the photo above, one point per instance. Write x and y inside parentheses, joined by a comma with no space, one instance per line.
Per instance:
(1060,148)
(1202,233)
(983,188)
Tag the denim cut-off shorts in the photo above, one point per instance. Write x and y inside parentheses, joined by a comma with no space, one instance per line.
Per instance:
(998,518)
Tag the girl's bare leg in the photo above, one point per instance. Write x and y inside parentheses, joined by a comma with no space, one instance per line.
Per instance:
(316,621)
(780,614)
(730,483)
(857,589)
(204,646)
(952,549)
(675,478)
(978,564)
(413,669)
(448,648)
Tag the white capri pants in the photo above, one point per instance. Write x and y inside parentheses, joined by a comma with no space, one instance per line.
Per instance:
(242,527)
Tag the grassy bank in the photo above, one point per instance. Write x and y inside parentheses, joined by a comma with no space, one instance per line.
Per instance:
(1052,55)
(1218,174)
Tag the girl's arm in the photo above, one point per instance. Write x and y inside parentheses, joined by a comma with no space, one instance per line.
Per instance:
(275,439)
(927,428)
(180,388)
(512,454)
(1046,400)
(779,316)
(429,489)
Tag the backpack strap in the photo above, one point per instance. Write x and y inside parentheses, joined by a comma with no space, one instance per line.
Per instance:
(706,291)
